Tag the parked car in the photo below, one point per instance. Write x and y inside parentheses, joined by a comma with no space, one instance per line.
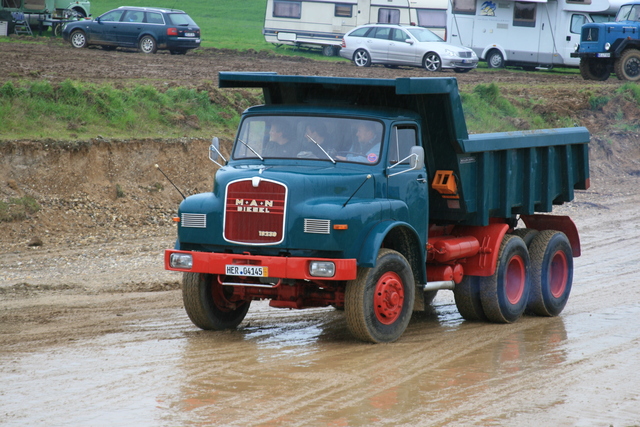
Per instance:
(146,28)
(393,45)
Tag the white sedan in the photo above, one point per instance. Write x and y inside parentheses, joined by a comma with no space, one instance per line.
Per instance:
(392,45)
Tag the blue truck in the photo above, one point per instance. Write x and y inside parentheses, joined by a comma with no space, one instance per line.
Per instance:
(611,47)
(370,196)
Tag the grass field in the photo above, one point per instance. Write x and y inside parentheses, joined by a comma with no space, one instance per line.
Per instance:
(227,24)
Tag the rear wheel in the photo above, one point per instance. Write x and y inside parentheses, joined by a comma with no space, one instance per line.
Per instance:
(78,39)
(495,59)
(208,305)
(432,62)
(467,296)
(504,295)
(627,67)
(328,50)
(591,69)
(551,273)
(361,58)
(148,44)
(379,302)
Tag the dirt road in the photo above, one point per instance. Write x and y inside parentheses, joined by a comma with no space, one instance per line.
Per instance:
(93,332)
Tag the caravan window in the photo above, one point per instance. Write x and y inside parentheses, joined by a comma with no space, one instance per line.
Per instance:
(577,21)
(344,10)
(464,7)
(286,9)
(388,16)
(432,18)
(524,14)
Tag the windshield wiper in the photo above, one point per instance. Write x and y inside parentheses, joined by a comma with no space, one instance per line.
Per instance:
(320,147)
(249,147)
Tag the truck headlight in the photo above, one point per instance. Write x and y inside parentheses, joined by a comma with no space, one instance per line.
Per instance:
(322,269)
(607,46)
(183,261)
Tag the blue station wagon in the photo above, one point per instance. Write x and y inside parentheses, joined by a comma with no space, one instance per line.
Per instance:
(146,28)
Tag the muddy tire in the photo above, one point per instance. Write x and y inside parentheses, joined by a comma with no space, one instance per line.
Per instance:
(594,70)
(467,297)
(551,273)
(206,303)
(627,67)
(379,302)
(505,294)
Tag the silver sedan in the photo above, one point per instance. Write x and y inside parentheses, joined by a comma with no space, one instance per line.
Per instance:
(392,45)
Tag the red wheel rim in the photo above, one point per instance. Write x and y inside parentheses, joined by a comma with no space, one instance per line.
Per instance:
(558,274)
(388,298)
(515,279)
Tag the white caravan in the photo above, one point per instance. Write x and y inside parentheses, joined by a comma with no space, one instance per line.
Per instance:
(530,34)
(322,23)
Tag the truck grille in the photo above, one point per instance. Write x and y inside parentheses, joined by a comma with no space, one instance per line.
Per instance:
(255,212)
(193,220)
(317,226)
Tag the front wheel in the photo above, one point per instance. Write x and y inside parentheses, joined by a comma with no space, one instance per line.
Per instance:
(551,273)
(148,45)
(591,69)
(361,58)
(504,295)
(432,62)
(209,304)
(495,59)
(78,39)
(379,302)
(627,67)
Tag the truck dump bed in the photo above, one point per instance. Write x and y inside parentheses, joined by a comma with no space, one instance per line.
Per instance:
(496,174)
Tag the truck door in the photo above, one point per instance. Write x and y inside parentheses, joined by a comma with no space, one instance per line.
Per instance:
(408,186)
(549,48)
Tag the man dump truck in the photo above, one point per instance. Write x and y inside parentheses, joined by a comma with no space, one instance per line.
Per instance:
(369,195)
(611,47)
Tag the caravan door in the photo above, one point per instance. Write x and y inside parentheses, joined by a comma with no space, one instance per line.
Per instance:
(548,50)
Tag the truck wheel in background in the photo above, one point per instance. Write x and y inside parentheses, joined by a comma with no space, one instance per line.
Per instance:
(328,50)
(78,39)
(591,69)
(551,273)
(627,67)
(504,295)
(467,296)
(432,62)
(148,44)
(206,303)
(361,58)
(526,234)
(379,302)
(495,59)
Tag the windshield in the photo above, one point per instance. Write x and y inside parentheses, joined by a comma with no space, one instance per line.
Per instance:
(303,137)
(424,35)
(181,20)
(629,12)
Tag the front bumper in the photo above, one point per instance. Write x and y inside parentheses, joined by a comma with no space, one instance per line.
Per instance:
(278,267)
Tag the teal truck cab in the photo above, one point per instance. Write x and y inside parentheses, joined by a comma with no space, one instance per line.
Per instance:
(370,196)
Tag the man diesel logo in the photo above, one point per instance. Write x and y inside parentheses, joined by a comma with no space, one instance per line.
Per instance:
(253,206)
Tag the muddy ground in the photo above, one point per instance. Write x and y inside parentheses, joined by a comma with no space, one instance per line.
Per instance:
(93,332)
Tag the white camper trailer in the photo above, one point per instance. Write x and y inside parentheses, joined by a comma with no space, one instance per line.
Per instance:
(530,34)
(322,23)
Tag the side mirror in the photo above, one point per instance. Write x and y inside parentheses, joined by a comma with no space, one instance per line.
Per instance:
(417,157)
(214,151)
(409,41)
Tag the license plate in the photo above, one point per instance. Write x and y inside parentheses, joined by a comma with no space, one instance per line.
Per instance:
(603,55)
(246,270)
(189,34)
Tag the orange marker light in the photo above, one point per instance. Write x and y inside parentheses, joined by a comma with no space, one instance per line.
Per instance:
(340,226)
